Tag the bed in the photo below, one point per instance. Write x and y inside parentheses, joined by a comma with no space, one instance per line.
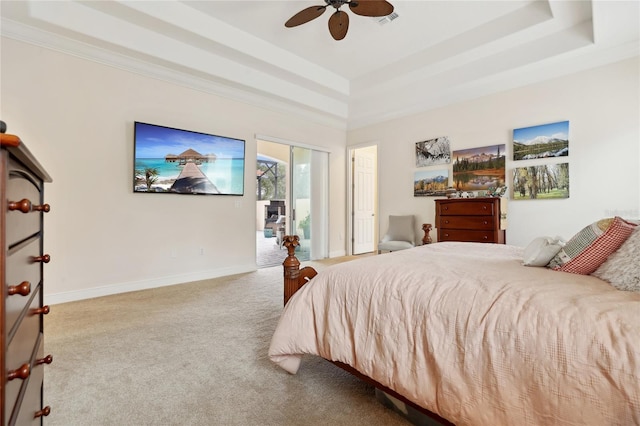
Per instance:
(468,334)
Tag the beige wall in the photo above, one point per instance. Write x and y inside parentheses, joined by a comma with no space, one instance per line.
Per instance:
(602,106)
(77,117)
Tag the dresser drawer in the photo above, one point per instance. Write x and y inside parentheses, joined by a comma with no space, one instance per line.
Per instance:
(29,400)
(466,208)
(21,330)
(21,347)
(468,222)
(21,267)
(465,235)
(21,225)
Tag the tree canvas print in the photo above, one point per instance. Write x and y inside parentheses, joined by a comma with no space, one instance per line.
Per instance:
(430,183)
(479,169)
(543,141)
(541,182)
(433,151)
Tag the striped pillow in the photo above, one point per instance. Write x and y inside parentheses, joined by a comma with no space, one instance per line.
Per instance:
(590,247)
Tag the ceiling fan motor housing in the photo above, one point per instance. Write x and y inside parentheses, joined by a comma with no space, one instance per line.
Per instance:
(339,21)
(338,3)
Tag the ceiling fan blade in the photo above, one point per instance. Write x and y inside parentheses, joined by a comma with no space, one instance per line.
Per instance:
(305,15)
(371,7)
(339,24)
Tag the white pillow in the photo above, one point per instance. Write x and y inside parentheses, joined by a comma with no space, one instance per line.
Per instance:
(541,250)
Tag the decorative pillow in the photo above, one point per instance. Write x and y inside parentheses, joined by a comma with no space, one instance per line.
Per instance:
(541,250)
(622,268)
(590,247)
(400,229)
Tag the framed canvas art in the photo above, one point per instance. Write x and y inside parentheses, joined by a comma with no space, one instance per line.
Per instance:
(541,182)
(477,169)
(433,151)
(543,141)
(430,183)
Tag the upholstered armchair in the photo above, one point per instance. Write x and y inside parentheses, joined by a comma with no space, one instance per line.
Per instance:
(400,234)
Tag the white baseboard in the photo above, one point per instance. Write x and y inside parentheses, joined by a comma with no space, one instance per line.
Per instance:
(338,253)
(106,290)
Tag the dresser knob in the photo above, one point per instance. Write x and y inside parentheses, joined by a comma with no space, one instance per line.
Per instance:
(44,258)
(46,360)
(485,237)
(446,221)
(42,208)
(485,222)
(20,373)
(37,311)
(484,207)
(446,235)
(44,412)
(23,205)
(23,289)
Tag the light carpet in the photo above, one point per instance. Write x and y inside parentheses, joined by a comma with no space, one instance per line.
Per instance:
(192,354)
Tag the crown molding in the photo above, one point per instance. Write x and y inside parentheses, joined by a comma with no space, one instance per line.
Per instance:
(570,63)
(55,42)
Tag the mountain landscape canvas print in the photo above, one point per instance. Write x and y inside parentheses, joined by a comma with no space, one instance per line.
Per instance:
(430,183)
(543,141)
(479,169)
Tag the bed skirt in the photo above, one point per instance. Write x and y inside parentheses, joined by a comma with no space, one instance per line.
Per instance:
(414,416)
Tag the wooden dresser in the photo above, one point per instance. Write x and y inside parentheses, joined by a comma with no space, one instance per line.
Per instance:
(21,314)
(471,219)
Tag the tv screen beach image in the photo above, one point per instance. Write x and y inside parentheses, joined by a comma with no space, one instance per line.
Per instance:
(169,160)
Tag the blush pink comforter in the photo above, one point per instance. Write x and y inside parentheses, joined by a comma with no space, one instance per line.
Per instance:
(467,332)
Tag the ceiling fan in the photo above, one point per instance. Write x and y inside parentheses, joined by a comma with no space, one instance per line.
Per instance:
(339,21)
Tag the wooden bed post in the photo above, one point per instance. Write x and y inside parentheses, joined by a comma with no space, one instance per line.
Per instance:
(426,227)
(294,277)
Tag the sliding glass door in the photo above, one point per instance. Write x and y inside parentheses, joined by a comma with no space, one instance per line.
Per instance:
(309,201)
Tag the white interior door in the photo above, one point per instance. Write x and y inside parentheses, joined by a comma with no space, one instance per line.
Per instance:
(364,199)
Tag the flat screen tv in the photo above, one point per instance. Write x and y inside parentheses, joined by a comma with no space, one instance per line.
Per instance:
(175,161)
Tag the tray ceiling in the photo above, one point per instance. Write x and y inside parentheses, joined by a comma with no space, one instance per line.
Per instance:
(433,54)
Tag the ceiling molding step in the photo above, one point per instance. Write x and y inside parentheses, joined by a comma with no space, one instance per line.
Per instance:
(97,25)
(202,25)
(530,74)
(26,34)
(484,40)
(420,84)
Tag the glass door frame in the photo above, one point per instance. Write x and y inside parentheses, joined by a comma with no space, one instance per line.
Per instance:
(318,197)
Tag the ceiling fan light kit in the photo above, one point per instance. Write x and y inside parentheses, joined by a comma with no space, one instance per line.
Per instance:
(339,20)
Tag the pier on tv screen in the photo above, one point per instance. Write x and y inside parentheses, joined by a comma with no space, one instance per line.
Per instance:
(169,160)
